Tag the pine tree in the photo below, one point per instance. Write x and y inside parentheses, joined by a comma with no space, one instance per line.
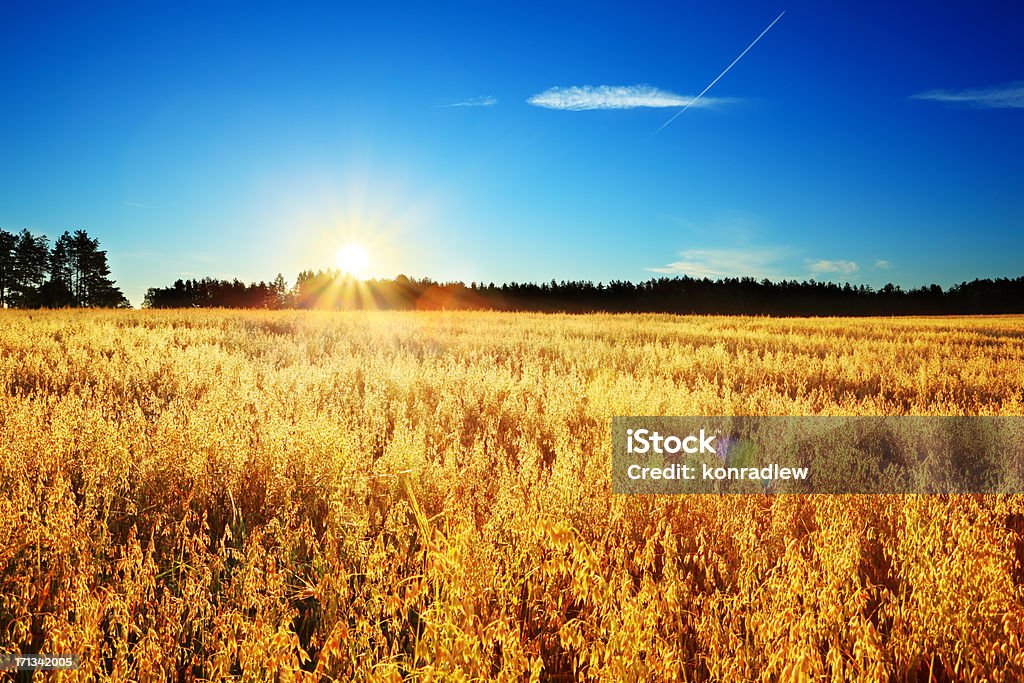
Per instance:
(57,290)
(281,294)
(7,242)
(30,264)
(90,283)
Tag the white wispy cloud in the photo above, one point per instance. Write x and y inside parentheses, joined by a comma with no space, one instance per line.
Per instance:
(487,101)
(882,264)
(584,97)
(1005,96)
(137,205)
(758,262)
(826,266)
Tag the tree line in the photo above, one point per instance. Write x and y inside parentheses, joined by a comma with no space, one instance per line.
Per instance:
(71,273)
(331,290)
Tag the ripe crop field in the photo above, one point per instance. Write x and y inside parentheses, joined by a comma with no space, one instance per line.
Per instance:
(205,495)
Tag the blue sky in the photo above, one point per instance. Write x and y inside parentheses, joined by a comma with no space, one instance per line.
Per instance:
(868,143)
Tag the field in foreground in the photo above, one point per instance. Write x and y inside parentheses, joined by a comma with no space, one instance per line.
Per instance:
(211,495)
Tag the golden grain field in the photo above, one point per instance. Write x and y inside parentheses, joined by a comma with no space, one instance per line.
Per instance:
(211,495)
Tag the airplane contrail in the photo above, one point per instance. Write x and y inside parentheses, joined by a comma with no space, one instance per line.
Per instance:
(691,102)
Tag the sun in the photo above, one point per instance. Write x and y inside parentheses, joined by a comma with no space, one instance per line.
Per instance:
(352,259)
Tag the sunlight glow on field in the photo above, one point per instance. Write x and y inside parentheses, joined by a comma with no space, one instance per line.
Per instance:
(314,495)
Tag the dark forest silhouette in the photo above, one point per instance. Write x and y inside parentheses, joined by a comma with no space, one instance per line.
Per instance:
(331,290)
(71,273)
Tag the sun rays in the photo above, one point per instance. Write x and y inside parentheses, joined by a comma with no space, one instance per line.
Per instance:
(353,259)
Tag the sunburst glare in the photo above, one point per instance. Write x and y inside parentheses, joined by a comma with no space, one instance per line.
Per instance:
(352,259)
